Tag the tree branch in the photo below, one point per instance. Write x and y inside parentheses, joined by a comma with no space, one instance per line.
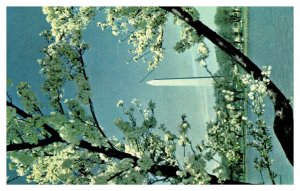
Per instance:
(41,143)
(14,178)
(61,109)
(22,113)
(283,122)
(91,102)
(162,170)
(158,170)
(9,97)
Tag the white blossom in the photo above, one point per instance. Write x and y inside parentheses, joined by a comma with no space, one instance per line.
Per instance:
(136,102)
(244,118)
(120,103)
(230,106)
(202,48)
(202,63)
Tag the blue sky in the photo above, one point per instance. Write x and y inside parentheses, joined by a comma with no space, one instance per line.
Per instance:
(114,79)
(23,45)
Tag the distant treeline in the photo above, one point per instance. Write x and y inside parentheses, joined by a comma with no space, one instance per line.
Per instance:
(226,18)
(229,22)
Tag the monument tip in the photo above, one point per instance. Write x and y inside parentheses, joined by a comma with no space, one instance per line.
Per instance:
(150,82)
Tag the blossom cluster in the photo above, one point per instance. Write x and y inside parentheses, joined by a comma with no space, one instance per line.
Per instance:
(146,143)
(28,98)
(194,171)
(256,91)
(147,37)
(68,20)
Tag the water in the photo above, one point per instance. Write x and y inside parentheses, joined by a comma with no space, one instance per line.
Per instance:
(271,43)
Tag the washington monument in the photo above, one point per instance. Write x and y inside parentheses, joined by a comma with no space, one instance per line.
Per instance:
(191,81)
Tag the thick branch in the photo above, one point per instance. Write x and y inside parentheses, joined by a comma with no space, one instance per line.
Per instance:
(112,153)
(44,142)
(283,122)
(41,143)
(18,110)
(164,170)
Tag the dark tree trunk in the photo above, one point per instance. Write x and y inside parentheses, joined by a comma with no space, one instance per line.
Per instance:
(283,122)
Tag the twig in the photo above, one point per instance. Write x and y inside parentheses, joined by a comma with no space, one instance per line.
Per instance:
(147,75)
(9,97)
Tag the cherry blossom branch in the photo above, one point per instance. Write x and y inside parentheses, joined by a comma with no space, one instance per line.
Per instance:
(161,170)
(283,122)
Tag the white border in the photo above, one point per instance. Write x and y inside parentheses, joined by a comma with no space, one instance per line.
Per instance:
(4,4)
(3,93)
(150,2)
